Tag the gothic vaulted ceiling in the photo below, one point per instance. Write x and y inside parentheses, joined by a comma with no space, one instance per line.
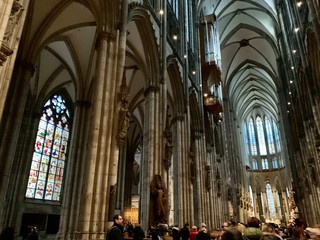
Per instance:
(249,53)
(248,43)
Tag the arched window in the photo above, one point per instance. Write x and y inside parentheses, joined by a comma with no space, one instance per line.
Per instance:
(255,164)
(270,136)
(252,136)
(270,199)
(276,135)
(49,156)
(274,163)
(265,164)
(261,137)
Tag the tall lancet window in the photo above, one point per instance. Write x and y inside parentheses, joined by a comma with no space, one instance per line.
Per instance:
(252,136)
(270,136)
(189,23)
(261,137)
(49,156)
(276,135)
(271,206)
(174,4)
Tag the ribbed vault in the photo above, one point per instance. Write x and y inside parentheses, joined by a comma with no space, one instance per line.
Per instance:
(249,54)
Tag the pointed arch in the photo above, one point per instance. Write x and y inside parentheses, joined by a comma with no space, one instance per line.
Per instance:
(49,158)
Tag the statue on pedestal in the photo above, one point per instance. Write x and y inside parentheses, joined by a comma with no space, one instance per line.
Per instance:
(158,201)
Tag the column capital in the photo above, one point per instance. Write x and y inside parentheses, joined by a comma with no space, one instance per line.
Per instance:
(196,134)
(178,118)
(107,36)
(26,65)
(151,89)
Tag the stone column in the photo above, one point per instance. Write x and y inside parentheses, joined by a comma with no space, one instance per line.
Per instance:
(314,20)
(178,175)
(100,176)
(76,167)
(283,213)
(198,183)
(12,127)
(261,210)
(149,164)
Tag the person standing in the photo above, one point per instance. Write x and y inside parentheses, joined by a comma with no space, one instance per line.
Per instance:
(193,233)
(116,230)
(253,231)
(175,233)
(185,232)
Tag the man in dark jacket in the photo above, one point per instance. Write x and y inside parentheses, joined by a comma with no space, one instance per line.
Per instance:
(116,230)
(185,232)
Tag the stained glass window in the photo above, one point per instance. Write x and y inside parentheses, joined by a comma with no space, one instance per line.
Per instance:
(188,22)
(274,163)
(255,164)
(272,209)
(276,135)
(174,4)
(261,137)
(265,164)
(49,156)
(252,136)
(270,136)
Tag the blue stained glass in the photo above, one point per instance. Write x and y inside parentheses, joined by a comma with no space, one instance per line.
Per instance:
(271,206)
(270,136)
(274,163)
(265,164)
(276,135)
(261,136)
(252,136)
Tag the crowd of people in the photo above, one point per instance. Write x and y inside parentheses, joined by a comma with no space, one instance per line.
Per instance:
(252,230)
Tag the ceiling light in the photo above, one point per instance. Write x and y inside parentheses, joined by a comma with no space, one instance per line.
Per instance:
(200,85)
(193,72)
(175,37)
(161,12)
(291,81)
(205,95)
(294,51)
(289,103)
(299,3)
(290,93)
(296,29)
(185,56)
(292,67)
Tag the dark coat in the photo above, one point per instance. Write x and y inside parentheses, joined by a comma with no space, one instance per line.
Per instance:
(115,232)
(138,233)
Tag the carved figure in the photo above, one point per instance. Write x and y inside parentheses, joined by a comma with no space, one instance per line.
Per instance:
(158,201)
(124,119)
(13,21)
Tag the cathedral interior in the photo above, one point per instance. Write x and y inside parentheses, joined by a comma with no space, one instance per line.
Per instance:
(164,111)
